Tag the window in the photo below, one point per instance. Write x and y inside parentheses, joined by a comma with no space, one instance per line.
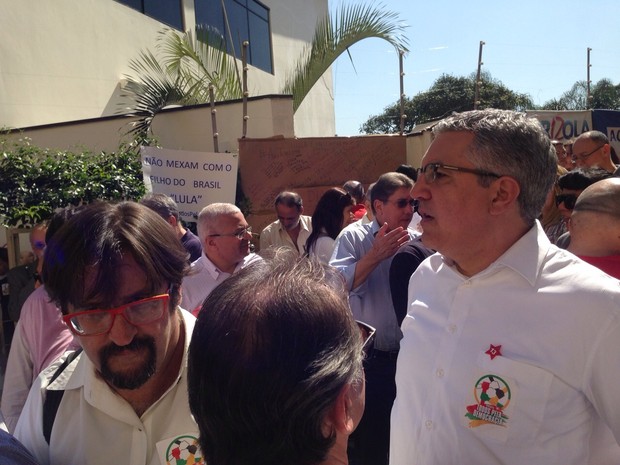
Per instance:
(166,11)
(248,20)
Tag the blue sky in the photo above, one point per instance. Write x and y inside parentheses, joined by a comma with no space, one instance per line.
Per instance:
(534,47)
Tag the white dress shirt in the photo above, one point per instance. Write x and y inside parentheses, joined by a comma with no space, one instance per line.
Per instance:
(518,364)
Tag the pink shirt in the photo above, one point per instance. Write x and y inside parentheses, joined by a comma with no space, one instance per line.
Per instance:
(40,338)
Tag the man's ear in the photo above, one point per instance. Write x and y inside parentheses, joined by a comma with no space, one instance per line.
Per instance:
(209,242)
(378,207)
(172,221)
(505,192)
(301,210)
(341,415)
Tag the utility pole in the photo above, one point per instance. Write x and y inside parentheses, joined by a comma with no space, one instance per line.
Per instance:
(402,93)
(588,97)
(478,81)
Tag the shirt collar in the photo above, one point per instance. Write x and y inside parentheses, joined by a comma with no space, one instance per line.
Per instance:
(525,256)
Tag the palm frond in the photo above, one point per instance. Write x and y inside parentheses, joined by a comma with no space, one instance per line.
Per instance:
(333,36)
(147,94)
(181,73)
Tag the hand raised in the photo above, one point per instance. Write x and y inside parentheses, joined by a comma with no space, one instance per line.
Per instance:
(388,242)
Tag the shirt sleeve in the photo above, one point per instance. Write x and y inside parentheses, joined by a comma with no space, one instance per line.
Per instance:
(600,376)
(29,429)
(323,249)
(344,259)
(18,378)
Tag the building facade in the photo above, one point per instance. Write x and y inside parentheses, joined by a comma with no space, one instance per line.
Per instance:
(66,60)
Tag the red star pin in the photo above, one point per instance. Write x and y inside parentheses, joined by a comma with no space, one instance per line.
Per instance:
(494,351)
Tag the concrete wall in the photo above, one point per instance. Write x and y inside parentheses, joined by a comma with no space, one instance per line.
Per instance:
(187,128)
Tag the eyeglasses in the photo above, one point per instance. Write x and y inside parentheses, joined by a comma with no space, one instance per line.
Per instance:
(568,200)
(583,156)
(139,313)
(239,234)
(367,333)
(402,203)
(431,171)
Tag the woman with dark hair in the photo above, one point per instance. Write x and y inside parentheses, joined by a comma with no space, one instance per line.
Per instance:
(332,213)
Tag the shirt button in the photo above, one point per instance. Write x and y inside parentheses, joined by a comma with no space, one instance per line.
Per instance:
(452,328)
(428,424)
(439,373)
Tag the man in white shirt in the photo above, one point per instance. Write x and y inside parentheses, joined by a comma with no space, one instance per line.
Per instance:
(510,344)
(115,271)
(291,229)
(225,236)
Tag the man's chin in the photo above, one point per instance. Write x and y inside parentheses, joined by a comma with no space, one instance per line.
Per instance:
(129,368)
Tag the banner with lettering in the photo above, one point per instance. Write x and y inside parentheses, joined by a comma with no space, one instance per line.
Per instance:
(564,125)
(608,122)
(193,179)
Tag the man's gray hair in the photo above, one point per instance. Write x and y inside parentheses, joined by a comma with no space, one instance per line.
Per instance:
(512,144)
(208,216)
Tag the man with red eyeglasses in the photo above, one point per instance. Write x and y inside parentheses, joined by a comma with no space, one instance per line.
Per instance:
(115,271)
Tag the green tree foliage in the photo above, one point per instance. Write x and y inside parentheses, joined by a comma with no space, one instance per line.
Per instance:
(447,94)
(603,95)
(34,182)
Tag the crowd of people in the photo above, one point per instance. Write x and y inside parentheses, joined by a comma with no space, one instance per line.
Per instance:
(464,312)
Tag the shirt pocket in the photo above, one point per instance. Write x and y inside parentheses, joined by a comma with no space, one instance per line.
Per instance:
(508,401)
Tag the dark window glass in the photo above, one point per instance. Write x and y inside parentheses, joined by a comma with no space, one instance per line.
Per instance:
(166,11)
(248,20)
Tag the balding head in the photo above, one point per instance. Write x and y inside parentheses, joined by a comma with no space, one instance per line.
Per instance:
(595,222)
(592,149)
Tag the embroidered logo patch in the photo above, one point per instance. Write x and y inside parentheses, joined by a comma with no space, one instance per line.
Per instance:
(184,450)
(492,397)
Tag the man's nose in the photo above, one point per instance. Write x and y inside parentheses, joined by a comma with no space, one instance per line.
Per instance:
(122,332)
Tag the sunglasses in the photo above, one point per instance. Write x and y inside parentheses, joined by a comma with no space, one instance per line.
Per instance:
(568,200)
(402,203)
(367,334)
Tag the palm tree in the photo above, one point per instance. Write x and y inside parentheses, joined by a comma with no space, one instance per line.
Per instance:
(334,36)
(189,65)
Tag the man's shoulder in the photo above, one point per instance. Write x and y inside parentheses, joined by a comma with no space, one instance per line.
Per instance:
(250,258)
(198,269)
(356,228)
(21,271)
(192,244)
(415,247)
(271,227)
